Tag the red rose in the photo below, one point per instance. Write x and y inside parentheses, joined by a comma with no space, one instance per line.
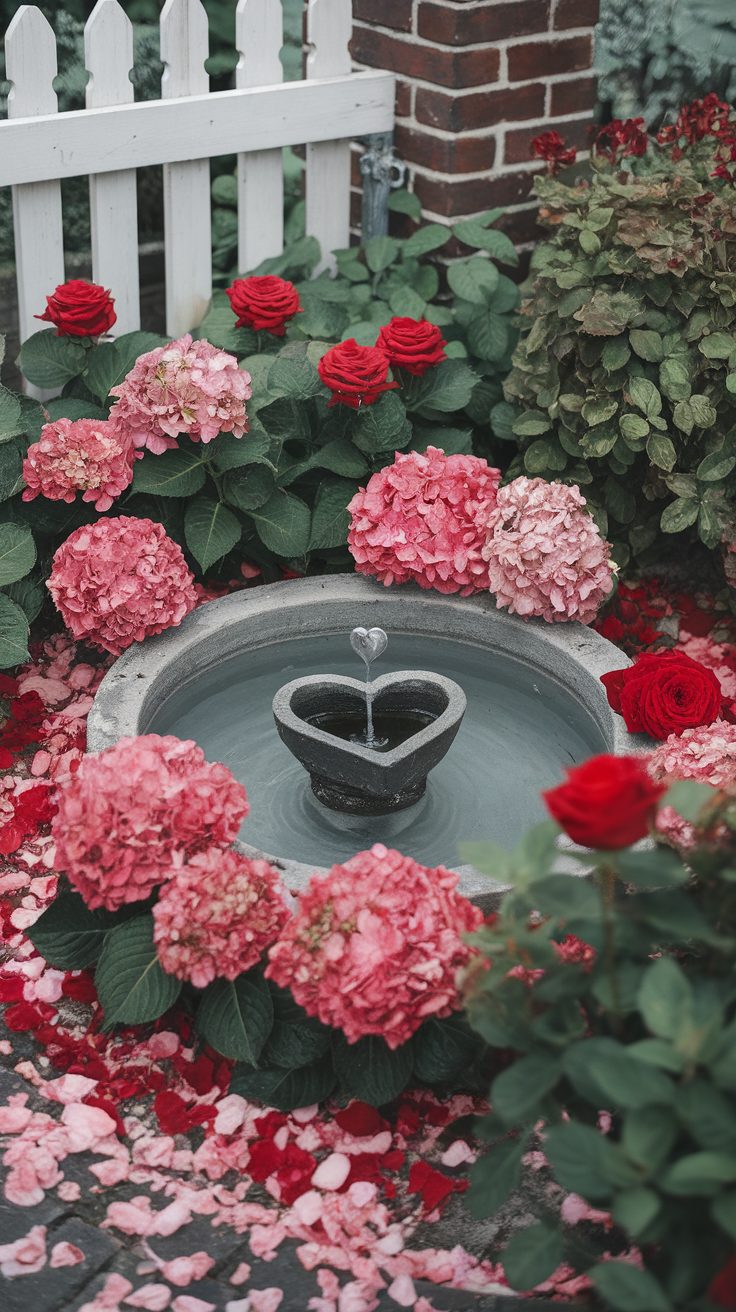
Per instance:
(264,302)
(663,693)
(412,344)
(356,375)
(553,148)
(80,309)
(607,802)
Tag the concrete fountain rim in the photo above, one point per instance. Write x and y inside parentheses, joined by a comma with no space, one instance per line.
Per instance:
(146,674)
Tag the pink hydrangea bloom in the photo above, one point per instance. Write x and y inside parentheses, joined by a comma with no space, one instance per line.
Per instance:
(187,387)
(706,754)
(119,581)
(91,456)
(545,555)
(135,811)
(216,916)
(418,519)
(376,945)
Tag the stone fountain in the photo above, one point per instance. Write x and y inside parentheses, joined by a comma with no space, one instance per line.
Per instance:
(479,711)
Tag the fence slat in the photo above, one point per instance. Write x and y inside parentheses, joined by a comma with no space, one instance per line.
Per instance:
(329,28)
(108,50)
(258,39)
(184,48)
(30,61)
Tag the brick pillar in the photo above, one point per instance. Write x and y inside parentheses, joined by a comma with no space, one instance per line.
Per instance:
(477,80)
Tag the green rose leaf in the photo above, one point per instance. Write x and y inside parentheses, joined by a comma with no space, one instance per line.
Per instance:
(210,530)
(175,473)
(218,327)
(130,346)
(283,524)
(628,1289)
(68,935)
(380,252)
(615,354)
(532,1255)
(679,515)
(488,336)
(585,1162)
(17,552)
(544,455)
(633,427)
(702,410)
(445,388)
(700,1173)
(646,396)
(599,410)
(518,1091)
(635,1209)
(426,239)
(104,363)
(50,361)
(131,984)
(405,303)
(14,634)
(330,517)
(292,374)
(235,1016)
(529,424)
(473,280)
(495,1178)
(286,1089)
(503,418)
(370,1070)
(405,202)
(382,426)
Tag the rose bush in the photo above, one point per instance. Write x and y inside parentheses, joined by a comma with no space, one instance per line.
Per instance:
(612,1002)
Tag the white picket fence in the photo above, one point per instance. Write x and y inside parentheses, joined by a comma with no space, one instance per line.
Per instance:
(113,136)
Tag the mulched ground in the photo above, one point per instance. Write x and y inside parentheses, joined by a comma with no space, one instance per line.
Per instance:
(132,1177)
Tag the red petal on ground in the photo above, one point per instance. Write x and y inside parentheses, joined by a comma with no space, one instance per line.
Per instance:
(360,1119)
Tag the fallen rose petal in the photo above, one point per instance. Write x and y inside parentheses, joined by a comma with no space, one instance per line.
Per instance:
(182,1271)
(24,1256)
(241,1273)
(332,1172)
(65,1254)
(152,1297)
(188,1303)
(266,1300)
(114,1290)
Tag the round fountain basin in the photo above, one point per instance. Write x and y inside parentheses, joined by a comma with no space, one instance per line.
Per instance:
(535,705)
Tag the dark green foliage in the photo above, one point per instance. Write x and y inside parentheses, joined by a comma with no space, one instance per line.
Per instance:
(643,1028)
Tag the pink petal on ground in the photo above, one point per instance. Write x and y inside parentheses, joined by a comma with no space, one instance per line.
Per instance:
(240,1274)
(332,1173)
(187,1303)
(154,1298)
(64,1254)
(112,1293)
(457,1153)
(69,1191)
(69,1088)
(238,1305)
(182,1271)
(402,1291)
(266,1300)
(24,1256)
(86,1125)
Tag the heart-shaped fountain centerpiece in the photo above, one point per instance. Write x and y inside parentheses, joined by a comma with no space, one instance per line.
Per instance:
(368,747)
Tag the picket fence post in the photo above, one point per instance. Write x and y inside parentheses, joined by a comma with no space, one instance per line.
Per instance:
(30,64)
(108,49)
(187,222)
(259,34)
(329,28)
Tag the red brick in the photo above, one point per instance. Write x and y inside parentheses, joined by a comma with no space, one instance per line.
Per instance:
(549,58)
(576,13)
(518,141)
(385,13)
(485,110)
(461,154)
(471,195)
(403,98)
(448,68)
(573,97)
(522,226)
(454,26)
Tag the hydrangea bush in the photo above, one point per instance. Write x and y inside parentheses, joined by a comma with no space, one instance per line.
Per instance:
(612,1000)
(352,987)
(624,380)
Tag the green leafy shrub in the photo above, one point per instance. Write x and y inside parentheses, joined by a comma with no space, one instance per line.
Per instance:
(278,496)
(643,1027)
(624,380)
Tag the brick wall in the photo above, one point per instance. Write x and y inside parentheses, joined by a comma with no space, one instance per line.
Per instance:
(476,80)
